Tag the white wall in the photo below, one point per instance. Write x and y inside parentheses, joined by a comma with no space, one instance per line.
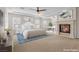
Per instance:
(77,25)
(38,22)
(2,17)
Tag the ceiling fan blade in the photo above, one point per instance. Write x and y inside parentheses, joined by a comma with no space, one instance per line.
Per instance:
(31,9)
(42,10)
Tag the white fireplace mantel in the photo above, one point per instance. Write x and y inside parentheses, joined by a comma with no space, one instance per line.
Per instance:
(68,19)
(72,23)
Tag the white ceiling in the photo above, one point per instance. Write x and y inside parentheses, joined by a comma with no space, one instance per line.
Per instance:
(50,11)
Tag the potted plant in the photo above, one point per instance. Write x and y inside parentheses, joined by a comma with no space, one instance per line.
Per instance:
(50,25)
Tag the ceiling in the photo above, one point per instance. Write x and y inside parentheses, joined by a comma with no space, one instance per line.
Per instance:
(50,11)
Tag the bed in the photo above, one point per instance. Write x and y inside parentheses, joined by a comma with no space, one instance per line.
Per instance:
(33,33)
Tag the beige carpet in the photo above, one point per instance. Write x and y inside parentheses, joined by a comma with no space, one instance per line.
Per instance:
(49,44)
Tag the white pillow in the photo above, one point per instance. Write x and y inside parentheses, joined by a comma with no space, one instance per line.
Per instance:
(25,34)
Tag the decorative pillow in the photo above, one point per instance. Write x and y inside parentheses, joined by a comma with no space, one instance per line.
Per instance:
(20,38)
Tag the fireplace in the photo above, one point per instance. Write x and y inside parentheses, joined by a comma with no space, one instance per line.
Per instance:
(64,28)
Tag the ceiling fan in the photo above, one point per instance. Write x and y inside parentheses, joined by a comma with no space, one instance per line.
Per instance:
(39,10)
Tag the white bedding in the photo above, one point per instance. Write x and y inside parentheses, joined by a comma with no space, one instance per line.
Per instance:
(27,28)
(25,32)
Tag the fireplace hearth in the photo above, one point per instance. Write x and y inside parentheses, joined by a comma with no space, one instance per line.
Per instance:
(64,28)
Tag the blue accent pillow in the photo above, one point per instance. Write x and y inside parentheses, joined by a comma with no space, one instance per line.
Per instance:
(20,37)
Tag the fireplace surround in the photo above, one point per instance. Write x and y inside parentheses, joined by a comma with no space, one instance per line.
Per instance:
(64,28)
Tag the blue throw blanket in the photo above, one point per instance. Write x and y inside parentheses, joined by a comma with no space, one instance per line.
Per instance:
(20,37)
